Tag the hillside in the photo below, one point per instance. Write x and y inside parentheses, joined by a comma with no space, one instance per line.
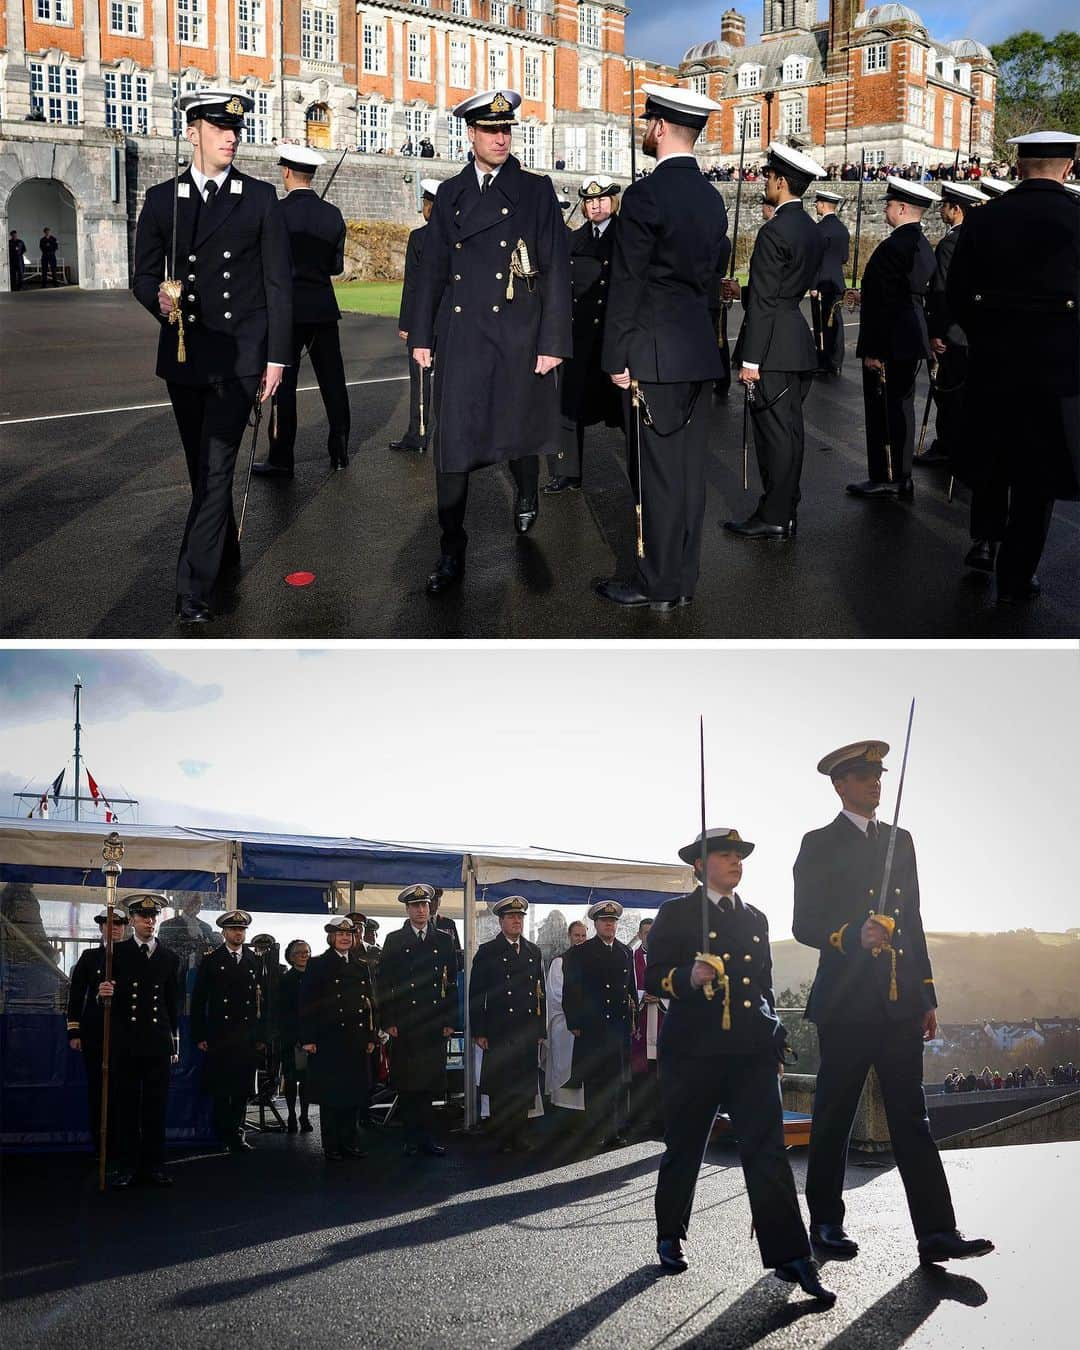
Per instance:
(980,976)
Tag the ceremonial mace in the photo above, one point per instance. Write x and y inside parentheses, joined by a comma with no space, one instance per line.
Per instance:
(172,285)
(113,852)
(883,893)
(710,958)
(852,299)
(931,367)
(726,305)
(635,399)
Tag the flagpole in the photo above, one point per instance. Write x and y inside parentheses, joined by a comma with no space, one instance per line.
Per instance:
(78,734)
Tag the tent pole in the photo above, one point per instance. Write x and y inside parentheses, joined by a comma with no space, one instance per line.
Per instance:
(231,886)
(470,951)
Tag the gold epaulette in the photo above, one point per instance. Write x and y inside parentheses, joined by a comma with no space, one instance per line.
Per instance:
(667,984)
(73,1026)
(837,939)
(928,981)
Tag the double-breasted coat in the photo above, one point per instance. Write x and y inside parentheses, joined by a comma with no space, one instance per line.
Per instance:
(587,393)
(490,405)
(337,1015)
(600,1001)
(146,1002)
(417,989)
(838,876)
(507,1007)
(227,1012)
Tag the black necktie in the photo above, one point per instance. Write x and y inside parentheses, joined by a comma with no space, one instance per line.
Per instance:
(596,232)
(144,951)
(871,831)
(516,948)
(485,184)
(211,194)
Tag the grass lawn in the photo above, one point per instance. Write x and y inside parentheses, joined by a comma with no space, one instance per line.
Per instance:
(370,297)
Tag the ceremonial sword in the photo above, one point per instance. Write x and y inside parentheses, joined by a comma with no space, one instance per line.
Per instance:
(635,399)
(854,291)
(705,955)
(931,366)
(256,414)
(891,849)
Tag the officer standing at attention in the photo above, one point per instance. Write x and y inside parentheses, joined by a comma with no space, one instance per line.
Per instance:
(587,396)
(600,1005)
(893,340)
(337,1030)
(670,246)
(235,315)
(49,244)
(722,1043)
(417,984)
(775,346)
(145,989)
(496,249)
(508,1020)
(227,1024)
(874,1004)
(317,246)
(85,1022)
(1017,269)
(414,252)
(830,283)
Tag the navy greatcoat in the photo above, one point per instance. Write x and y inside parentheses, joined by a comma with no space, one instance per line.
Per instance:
(600,1001)
(227,1011)
(337,1014)
(507,1006)
(587,394)
(417,987)
(490,405)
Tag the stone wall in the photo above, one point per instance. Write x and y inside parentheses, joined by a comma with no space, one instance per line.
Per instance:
(1050,1123)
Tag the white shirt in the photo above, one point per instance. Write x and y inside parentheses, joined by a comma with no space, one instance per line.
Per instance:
(860,821)
(150,945)
(717,898)
(600,225)
(421,933)
(480,173)
(200,180)
(677,154)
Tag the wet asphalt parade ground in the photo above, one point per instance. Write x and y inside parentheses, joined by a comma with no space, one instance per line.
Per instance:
(94,494)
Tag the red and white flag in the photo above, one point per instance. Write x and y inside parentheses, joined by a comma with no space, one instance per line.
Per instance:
(95,791)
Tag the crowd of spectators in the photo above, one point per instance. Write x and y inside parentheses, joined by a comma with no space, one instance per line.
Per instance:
(1061,1075)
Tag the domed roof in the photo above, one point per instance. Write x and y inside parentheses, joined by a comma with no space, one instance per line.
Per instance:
(970,50)
(709,51)
(884,14)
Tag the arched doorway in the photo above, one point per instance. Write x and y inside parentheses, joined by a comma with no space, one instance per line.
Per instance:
(318,126)
(35,203)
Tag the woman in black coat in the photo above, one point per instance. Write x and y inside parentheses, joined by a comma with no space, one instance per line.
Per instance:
(293,1059)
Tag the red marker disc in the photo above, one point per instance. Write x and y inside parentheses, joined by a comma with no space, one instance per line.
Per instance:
(300,578)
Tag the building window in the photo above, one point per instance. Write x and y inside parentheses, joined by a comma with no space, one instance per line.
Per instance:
(424,4)
(965,124)
(531,143)
(498,12)
(986,126)
(916,59)
(533,74)
(372,128)
(457,142)
(875,58)
(54,92)
(931,110)
(418,56)
(534,18)
(749,77)
(460,63)
(699,84)
(178,118)
(792,117)
(576,152)
(497,76)
(417,125)
(250,25)
(947,124)
(589,85)
(318,33)
(127,102)
(793,70)
(53,11)
(125,17)
(191,22)
(461,9)
(374,59)
(875,158)
(752,117)
(915,105)
(257,124)
(589,25)
(611,149)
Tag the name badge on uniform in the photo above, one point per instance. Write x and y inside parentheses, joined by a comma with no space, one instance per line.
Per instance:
(183,189)
(235,186)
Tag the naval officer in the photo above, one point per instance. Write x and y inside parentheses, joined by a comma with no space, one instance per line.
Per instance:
(829,283)
(496,251)
(416,437)
(234,312)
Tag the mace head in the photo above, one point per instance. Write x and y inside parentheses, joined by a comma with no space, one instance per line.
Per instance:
(112,850)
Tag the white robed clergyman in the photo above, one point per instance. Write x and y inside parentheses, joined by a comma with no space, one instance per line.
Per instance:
(560,1045)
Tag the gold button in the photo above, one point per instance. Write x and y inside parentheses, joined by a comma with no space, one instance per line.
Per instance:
(756,938)
(457,276)
(494,309)
(457,309)
(747,1003)
(191,299)
(746,979)
(226,275)
(458,244)
(191,257)
(228,315)
(498,276)
(712,935)
(747,957)
(897,891)
(502,243)
(191,276)
(506,210)
(226,254)
(900,952)
(603,282)
(225,295)
(727,956)
(596,320)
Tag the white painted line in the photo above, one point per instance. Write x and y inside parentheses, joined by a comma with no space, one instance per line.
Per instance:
(149,407)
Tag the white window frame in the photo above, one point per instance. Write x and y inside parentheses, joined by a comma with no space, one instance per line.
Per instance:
(794,70)
(497,9)
(56,91)
(576,152)
(251,27)
(177,116)
(749,76)
(930,119)
(417,125)
(372,127)
(876,58)
(127,102)
(457,140)
(190,27)
(947,122)
(751,111)
(126,18)
(461,9)
(318,31)
(57,12)
(792,117)
(419,49)
(373,46)
(258,126)
(612,147)
(498,65)
(532,76)
(590,84)
(915,65)
(530,144)
(460,63)
(875,159)
(534,18)
(986,126)
(699,84)
(590,25)
(915,105)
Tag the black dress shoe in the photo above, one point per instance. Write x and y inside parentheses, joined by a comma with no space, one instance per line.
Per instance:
(930,459)
(306,1126)
(755,528)
(904,490)
(159,1177)
(1018,592)
(671,1255)
(951,1247)
(122,1181)
(338,462)
(354,1153)
(191,612)
(268,470)
(832,1238)
(561,483)
(406,444)
(804,1273)
(526,509)
(447,572)
(982,555)
(241,1146)
(433,1150)
(620,592)
(615,1141)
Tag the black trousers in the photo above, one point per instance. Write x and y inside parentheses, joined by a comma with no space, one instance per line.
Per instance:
(17,276)
(323,344)
(779,439)
(337,1128)
(895,1050)
(510,1114)
(949,397)
(142,1092)
(417,1116)
(211,419)
(890,410)
(412,438)
(672,490)
(452,497)
(831,346)
(229,1109)
(692,1089)
(607,1107)
(295,1085)
(1017,519)
(48,264)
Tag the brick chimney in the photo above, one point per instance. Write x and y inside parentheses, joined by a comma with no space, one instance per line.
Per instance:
(733,28)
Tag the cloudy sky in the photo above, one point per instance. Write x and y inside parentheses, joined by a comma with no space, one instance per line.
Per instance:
(584,750)
(662,30)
